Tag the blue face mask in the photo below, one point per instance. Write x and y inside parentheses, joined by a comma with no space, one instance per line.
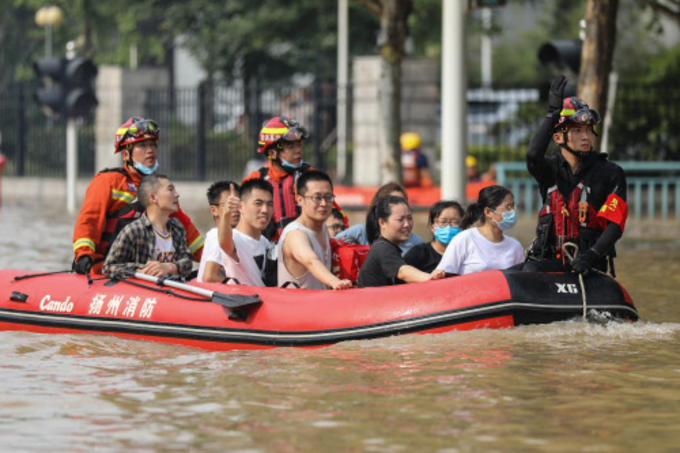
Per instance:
(144,169)
(290,166)
(509,220)
(446,233)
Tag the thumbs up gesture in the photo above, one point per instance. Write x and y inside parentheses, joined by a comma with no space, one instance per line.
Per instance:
(232,201)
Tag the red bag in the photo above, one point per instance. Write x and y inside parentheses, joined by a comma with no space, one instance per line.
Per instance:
(348,259)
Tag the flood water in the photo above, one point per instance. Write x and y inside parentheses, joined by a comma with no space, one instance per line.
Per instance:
(563,387)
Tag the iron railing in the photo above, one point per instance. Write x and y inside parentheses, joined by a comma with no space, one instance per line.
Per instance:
(210,132)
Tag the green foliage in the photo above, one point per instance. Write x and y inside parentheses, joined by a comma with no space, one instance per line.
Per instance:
(268,40)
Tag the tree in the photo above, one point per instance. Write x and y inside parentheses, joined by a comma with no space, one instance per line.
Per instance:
(261,42)
(597,53)
(394,16)
(669,8)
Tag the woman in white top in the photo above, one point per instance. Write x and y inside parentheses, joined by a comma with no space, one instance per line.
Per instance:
(485,246)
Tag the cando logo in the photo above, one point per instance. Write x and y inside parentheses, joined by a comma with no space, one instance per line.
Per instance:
(55,305)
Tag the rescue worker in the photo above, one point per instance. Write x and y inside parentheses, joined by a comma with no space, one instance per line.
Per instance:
(281,139)
(111,198)
(584,195)
(415,168)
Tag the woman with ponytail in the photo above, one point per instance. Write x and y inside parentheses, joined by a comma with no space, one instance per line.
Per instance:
(485,246)
(360,233)
(390,224)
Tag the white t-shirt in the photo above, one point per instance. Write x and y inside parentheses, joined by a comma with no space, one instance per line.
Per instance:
(211,252)
(470,252)
(164,250)
(306,280)
(252,257)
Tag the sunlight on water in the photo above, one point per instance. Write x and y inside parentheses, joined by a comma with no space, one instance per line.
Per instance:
(569,386)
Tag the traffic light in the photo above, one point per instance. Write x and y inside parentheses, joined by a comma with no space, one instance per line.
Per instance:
(68,86)
(562,56)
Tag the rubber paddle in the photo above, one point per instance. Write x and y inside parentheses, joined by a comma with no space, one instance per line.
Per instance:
(226,300)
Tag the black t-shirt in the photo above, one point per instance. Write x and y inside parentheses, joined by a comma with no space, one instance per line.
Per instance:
(423,257)
(382,265)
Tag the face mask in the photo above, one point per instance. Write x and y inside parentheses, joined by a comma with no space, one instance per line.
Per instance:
(287,165)
(144,169)
(445,234)
(509,220)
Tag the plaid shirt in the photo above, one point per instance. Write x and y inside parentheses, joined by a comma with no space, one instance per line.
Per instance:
(135,245)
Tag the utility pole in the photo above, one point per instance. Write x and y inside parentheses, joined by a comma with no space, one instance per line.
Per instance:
(342,76)
(454,101)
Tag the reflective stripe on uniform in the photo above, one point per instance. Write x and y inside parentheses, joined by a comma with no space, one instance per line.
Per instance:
(121,195)
(83,242)
(197,244)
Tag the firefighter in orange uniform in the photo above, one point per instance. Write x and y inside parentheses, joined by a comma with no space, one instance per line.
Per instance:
(281,139)
(111,198)
(584,194)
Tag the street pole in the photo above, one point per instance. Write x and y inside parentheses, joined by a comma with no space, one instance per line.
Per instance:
(71,164)
(71,148)
(486,48)
(342,76)
(454,101)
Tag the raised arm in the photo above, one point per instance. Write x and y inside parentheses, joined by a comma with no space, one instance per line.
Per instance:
(541,139)
(225,235)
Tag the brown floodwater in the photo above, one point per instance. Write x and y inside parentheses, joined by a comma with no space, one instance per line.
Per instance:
(563,387)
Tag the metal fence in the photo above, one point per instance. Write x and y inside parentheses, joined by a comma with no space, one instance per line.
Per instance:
(34,144)
(211,132)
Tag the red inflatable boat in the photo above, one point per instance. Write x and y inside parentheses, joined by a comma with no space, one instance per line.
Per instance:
(223,317)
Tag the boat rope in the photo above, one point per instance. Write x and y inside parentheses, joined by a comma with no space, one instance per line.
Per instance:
(571,256)
(169,292)
(24,277)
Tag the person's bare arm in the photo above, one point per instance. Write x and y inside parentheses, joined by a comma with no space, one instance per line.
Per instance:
(410,274)
(158,269)
(225,235)
(298,247)
(212,273)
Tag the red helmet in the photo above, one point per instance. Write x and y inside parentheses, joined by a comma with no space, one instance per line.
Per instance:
(576,111)
(279,129)
(136,129)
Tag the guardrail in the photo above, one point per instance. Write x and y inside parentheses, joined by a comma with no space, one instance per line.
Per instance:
(653,187)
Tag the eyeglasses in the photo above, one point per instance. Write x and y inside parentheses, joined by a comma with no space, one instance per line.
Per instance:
(444,223)
(337,227)
(317,198)
(506,208)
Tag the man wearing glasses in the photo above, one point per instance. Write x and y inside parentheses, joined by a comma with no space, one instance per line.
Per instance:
(111,199)
(336,223)
(304,250)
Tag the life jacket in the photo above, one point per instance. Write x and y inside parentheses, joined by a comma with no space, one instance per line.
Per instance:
(410,168)
(114,222)
(286,209)
(569,219)
(348,259)
(571,213)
